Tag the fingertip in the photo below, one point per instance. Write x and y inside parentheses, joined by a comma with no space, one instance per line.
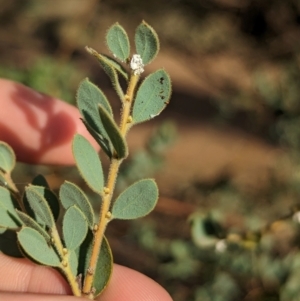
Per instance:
(39,128)
(130,285)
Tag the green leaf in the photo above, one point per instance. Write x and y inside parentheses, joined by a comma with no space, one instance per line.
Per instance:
(8,215)
(36,247)
(104,143)
(89,97)
(73,260)
(31,223)
(110,70)
(88,163)
(75,227)
(114,134)
(136,201)
(7,157)
(47,194)
(104,268)
(118,42)
(152,96)
(116,65)
(50,197)
(146,42)
(40,207)
(3,181)
(104,265)
(70,194)
(40,180)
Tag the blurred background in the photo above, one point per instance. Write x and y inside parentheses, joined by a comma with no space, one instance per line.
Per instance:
(225,153)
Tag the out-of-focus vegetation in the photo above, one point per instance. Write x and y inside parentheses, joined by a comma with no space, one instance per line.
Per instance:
(236,69)
(46,75)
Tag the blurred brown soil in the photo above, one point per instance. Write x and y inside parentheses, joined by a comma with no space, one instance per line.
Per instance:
(204,149)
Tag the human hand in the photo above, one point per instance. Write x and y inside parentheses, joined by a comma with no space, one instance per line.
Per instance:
(40,130)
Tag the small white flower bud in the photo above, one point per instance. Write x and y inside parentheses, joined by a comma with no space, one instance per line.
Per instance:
(136,64)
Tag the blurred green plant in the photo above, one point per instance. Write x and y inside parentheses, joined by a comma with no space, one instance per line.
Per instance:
(48,76)
(235,253)
(79,249)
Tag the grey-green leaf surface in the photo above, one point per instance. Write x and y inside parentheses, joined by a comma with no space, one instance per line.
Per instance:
(2,178)
(136,201)
(114,134)
(88,163)
(8,215)
(104,265)
(31,223)
(116,65)
(7,157)
(50,197)
(75,227)
(146,42)
(104,143)
(73,260)
(40,206)
(110,70)
(104,268)
(5,181)
(36,247)
(89,96)
(70,194)
(118,42)
(152,96)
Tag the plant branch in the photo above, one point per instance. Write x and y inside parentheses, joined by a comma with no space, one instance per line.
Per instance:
(65,264)
(105,214)
(127,104)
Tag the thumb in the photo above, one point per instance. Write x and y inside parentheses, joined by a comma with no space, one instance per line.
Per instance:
(35,297)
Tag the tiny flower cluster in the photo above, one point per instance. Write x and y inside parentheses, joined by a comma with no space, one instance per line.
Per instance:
(136,64)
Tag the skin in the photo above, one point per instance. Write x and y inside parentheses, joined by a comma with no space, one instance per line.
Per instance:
(40,130)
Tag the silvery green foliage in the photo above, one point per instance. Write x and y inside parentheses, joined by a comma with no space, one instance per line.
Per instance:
(69,245)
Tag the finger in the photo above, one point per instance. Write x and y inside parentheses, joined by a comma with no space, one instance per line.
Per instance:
(35,297)
(20,275)
(129,285)
(39,128)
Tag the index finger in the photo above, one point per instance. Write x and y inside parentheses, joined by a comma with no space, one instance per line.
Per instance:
(38,127)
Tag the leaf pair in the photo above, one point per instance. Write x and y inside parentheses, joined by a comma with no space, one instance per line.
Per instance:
(38,249)
(34,238)
(98,119)
(154,93)
(78,238)
(77,222)
(146,42)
